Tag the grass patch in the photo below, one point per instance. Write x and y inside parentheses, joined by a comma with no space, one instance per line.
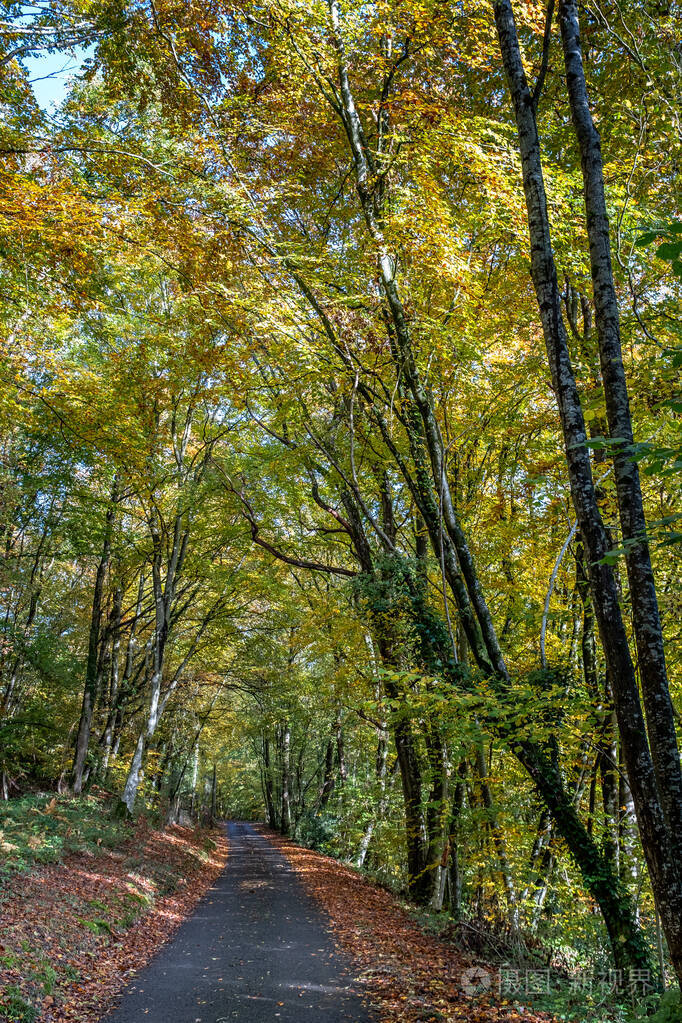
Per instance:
(47,978)
(570,1006)
(97,926)
(15,1008)
(128,908)
(209,847)
(44,829)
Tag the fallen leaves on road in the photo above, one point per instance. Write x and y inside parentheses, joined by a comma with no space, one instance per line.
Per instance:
(410,976)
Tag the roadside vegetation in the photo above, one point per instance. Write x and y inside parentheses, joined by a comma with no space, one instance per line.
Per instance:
(86,898)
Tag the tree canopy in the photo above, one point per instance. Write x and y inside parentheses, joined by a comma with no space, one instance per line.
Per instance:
(340,431)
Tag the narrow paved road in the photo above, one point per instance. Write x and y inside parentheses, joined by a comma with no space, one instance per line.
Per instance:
(255,949)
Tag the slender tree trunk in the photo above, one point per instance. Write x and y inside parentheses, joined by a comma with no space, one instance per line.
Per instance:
(498,837)
(328,778)
(12,688)
(628,855)
(108,734)
(195,778)
(456,851)
(340,752)
(437,814)
(542,837)
(267,784)
(540,894)
(119,695)
(164,754)
(164,599)
(13,685)
(419,887)
(608,764)
(384,790)
(92,675)
(285,813)
(607,761)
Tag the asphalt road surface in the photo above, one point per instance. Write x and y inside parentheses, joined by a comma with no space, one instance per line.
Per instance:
(255,949)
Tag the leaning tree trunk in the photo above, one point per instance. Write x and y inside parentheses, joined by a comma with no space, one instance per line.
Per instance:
(627,942)
(661,846)
(645,613)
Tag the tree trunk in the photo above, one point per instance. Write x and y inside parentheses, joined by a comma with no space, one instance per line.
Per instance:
(164,591)
(285,813)
(384,789)
(340,752)
(455,847)
(418,884)
(92,675)
(119,695)
(498,837)
(134,772)
(328,779)
(267,784)
(108,734)
(628,856)
(660,846)
(437,815)
(608,765)
(645,613)
(195,778)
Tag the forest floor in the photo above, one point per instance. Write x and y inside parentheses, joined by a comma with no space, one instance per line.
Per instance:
(409,975)
(74,931)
